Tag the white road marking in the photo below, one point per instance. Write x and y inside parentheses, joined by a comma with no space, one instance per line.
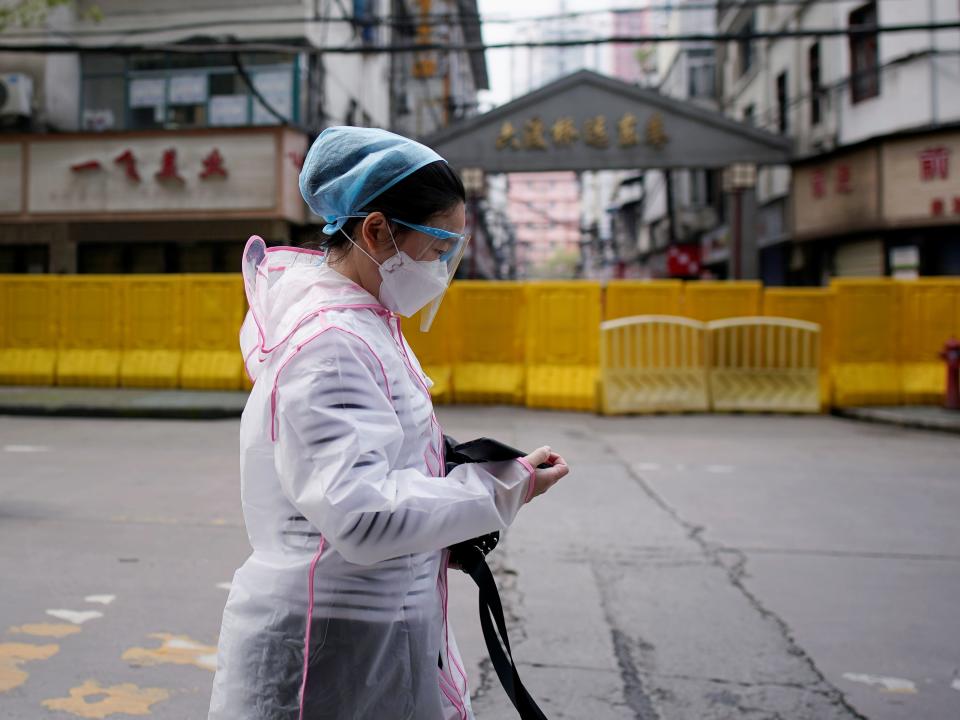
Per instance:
(102,599)
(77,617)
(181,644)
(887,684)
(208,661)
(646,467)
(719,469)
(224,586)
(956,684)
(25,448)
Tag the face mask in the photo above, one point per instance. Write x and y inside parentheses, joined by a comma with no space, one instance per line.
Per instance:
(407,284)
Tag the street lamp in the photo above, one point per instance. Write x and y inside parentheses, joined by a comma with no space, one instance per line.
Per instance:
(474,184)
(738,180)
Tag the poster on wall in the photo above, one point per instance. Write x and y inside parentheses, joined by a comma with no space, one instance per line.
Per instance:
(277,89)
(147,92)
(188,89)
(226,110)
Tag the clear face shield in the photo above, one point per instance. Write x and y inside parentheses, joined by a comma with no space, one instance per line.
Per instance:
(445,246)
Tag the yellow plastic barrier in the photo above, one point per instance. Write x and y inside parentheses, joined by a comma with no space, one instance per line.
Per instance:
(866,370)
(653,363)
(929,316)
(562,344)
(434,349)
(90,337)
(489,342)
(814,305)
(152,331)
(716,300)
(764,364)
(629,298)
(213,310)
(28,329)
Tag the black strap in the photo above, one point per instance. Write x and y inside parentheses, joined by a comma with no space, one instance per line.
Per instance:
(503,662)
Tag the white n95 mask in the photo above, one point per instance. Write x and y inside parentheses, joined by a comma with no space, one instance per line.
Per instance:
(407,284)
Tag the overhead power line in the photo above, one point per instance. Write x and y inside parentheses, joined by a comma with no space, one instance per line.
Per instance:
(232,44)
(413,20)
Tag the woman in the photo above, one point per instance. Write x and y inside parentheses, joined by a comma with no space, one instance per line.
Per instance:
(343,488)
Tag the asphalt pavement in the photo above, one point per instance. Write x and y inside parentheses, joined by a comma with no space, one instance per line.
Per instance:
(689,568)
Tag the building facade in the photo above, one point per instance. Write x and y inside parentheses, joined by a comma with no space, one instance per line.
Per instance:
(662,216)
(875,120)
(544,210)
(167,159)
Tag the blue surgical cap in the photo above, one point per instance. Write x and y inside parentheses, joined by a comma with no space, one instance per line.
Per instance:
(347,167)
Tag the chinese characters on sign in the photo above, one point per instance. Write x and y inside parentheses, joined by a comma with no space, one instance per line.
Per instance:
(818,183)
(935,165)
(168,168)
(86,166)
(627,130)
(656,133)
(842,181)
(843,185)
(564,133)
(595,132)
(129,162)
(214,166)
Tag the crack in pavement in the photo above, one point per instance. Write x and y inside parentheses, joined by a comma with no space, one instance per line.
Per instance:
(745,685)
(634,694)
(714,553)
(814,552)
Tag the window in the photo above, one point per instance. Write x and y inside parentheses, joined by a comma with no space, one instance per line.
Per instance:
(864,54)
(749,113)
(187,96)
(229,99)
(816,87)
(745,44)
(701,81)
(783,108)
(155,90)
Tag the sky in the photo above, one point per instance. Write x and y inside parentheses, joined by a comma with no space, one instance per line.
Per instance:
(499,61)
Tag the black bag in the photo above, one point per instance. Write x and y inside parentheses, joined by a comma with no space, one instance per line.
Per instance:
(470,555)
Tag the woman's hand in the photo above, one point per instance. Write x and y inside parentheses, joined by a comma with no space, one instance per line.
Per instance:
(544,479)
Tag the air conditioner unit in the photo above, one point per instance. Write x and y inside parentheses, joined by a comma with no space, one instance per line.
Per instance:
(16,93)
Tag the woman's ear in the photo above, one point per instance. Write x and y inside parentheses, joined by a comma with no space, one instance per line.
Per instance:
(375,233)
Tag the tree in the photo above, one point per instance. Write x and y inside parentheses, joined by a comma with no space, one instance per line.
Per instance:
(31,13)
(562,264)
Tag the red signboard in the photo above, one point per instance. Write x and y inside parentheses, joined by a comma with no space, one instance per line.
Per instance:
(684,261)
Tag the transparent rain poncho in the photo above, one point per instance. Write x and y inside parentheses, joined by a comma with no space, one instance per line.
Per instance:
(347,510)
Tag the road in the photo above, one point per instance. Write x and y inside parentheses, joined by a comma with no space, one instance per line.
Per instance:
(690,567)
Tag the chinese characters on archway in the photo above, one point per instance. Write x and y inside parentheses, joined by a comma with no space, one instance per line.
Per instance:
(594,131)
(168,171)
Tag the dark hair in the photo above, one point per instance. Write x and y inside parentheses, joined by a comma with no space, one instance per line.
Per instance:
(434,188)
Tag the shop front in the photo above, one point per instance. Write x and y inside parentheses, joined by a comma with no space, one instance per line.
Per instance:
(147,201)
(888,207)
